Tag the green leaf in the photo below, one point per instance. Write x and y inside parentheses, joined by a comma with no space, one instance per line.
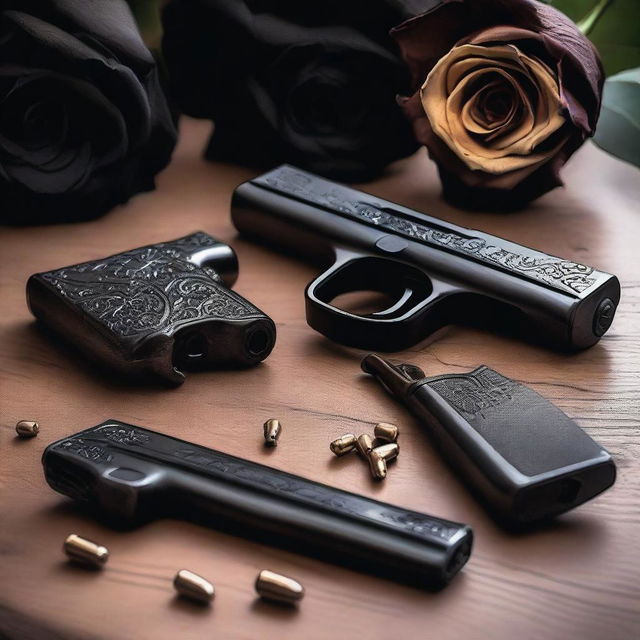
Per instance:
(612,25)
(147,15)
(618,130)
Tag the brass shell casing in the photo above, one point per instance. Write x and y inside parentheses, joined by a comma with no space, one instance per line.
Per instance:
(386,431)
(378,465)
(388,451)
(194,587)
(364,444)
(343,445)
(272,431)
(279,588)
(85,551)
(27,428)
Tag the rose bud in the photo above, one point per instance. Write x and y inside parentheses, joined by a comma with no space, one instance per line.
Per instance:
(505,92)
(84,124)
(308,82)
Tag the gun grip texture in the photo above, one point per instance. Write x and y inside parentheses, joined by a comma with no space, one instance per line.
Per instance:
(519,453)
(156,311)
(528,459)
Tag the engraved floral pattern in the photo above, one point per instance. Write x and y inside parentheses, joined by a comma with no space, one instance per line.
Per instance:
(150,289)
(564,275)
(472,393)
(86,449)
(123,434)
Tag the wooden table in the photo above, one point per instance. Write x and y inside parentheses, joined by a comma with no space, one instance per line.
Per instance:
(579,578)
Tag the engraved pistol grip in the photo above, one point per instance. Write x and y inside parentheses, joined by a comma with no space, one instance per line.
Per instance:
(233,333)
(419,303)
(220,258)
(520,454)
(155,311)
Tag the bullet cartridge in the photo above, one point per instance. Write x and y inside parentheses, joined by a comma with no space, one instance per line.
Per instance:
(343,445)
(364,445)
(378,465)
(388,451)
(272,431)
(386,431)
(194,587)
(85,551)
(27,428)
(278,588)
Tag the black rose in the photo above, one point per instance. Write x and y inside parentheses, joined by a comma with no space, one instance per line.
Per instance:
(84,124)
(312,83)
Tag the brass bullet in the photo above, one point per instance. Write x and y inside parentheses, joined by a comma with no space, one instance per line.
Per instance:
(272,431)
(343,445)
(191,585)
(279,588)
(388,451)
(85,551)
(27,428)
(364,444)
(386,431)
(378,465)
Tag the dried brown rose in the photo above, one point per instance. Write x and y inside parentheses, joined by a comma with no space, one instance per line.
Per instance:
(506,91)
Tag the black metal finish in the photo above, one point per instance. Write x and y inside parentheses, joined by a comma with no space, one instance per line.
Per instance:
(131,474)
(436,272)
(519,453)
(155,311)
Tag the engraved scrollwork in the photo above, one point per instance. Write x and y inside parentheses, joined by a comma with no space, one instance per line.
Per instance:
(149,289)
(89,450)
(564,275)
(473,393)
(123,434)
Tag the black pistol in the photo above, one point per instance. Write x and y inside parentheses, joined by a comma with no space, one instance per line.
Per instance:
(435,272)
(130,474)
(155,311)
(524,458)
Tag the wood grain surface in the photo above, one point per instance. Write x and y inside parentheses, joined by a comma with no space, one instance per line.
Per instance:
(579,578)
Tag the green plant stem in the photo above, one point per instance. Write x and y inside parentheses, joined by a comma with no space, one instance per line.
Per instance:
(589,21)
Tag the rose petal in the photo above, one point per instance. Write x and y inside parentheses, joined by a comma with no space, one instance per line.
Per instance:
(579,65)
(35,151)
(448,21)
(75,163)
(62,52)
(107,21)
(474,115)
(88,109)
(445,92)
(473,151)
(573,57)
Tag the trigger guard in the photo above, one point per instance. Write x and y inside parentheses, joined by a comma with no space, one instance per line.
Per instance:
(396,328)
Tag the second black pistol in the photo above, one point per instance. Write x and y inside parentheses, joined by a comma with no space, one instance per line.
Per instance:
(129,474)
(156,311)
(434,272)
